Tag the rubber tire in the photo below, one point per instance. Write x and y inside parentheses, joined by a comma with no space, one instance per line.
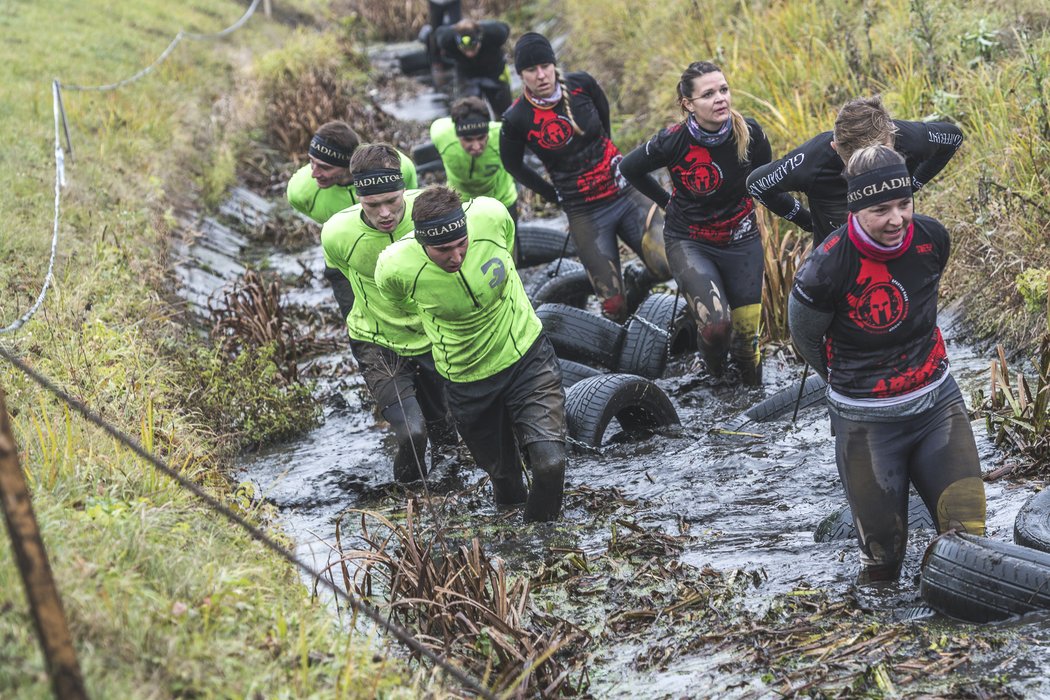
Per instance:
(580,335)
(425,152)
(573,372)
(637,404)
(839,525)
(644,350)
(1032,524)
(542,243)
(976,579)
(434,166)
(781,403)
(670,312)
(571,286)
(414,63)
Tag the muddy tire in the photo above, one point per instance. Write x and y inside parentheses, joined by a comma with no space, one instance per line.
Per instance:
(644,350)
(580,335)
(540,243)
(782,403)
(670,312)
(573,372)
(426,152)
(839,525)
(981,580)
(1032,525)
(637,404)
(414,63)
(569,286)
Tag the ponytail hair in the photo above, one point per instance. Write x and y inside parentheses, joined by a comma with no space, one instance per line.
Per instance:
(741,133)
(565,100)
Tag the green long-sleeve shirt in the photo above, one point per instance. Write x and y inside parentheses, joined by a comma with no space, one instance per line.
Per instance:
(479,319)
(353,247)
(483,176)
(320,204)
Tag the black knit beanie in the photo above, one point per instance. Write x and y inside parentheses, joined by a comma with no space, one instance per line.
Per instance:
(531,50)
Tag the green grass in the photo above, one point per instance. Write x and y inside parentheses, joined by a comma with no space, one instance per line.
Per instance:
(164,598)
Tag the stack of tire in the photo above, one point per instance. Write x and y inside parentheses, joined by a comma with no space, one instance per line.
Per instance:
(978,579)
(608,369)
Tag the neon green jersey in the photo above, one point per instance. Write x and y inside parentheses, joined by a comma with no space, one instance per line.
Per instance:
(352,247)
(478,318)
(304,194)
(483,176)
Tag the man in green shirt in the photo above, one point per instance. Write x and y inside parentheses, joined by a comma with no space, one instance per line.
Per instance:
(391,349)
(325,186)
(468,144)
(504,382)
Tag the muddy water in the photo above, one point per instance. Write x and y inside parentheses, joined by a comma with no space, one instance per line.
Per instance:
(748,502)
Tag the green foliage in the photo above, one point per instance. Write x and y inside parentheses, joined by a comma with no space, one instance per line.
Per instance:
(1032,285)
(245,398)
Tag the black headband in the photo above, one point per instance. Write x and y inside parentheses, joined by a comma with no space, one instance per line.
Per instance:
(329,152)
(450,227)
(473,125)
(378,181)
(877,186)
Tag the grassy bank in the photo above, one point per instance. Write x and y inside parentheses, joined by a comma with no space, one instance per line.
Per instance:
(164,598)
(791,65)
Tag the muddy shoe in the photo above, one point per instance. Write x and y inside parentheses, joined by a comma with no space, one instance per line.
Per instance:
(637,281)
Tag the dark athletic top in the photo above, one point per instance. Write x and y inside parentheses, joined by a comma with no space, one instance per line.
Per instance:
(883,340)
(708,197)
(490,61)
(583,169)
(816,170)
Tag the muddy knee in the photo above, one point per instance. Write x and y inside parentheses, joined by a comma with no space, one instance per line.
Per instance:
(961,506)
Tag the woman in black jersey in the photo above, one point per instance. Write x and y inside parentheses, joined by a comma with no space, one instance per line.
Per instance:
(712,239)
(816,167)
(863,312)
(564,120)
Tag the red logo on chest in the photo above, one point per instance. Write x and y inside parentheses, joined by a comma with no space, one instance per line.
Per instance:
(552,131)
(697,172)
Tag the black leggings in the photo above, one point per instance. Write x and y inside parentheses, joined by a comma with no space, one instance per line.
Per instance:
(595,228)
(934,450)
(723,288)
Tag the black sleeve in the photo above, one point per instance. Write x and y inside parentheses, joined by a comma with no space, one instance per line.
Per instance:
(601,102)
(759,152)
(344,293)
(771,186)
(636,166)
(512,155)
(445,39)
(808,327)
(933,145)
(494,33)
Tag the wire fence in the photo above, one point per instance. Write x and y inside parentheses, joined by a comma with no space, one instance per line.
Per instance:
(61,126)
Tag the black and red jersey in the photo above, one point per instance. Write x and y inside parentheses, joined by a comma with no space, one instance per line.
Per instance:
(883,340)
(816,170)
(709,197)
(582,168)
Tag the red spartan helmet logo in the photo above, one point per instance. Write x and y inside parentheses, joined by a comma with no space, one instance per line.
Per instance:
(881,307)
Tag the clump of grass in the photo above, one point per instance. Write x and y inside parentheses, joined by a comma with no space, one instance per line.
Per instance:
(460,602)
(783,248)
(1018,417)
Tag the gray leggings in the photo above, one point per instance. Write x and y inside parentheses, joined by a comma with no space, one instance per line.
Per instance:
(595,228)
(934,450)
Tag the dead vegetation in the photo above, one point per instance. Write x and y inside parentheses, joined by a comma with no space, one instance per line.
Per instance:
(783,249)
